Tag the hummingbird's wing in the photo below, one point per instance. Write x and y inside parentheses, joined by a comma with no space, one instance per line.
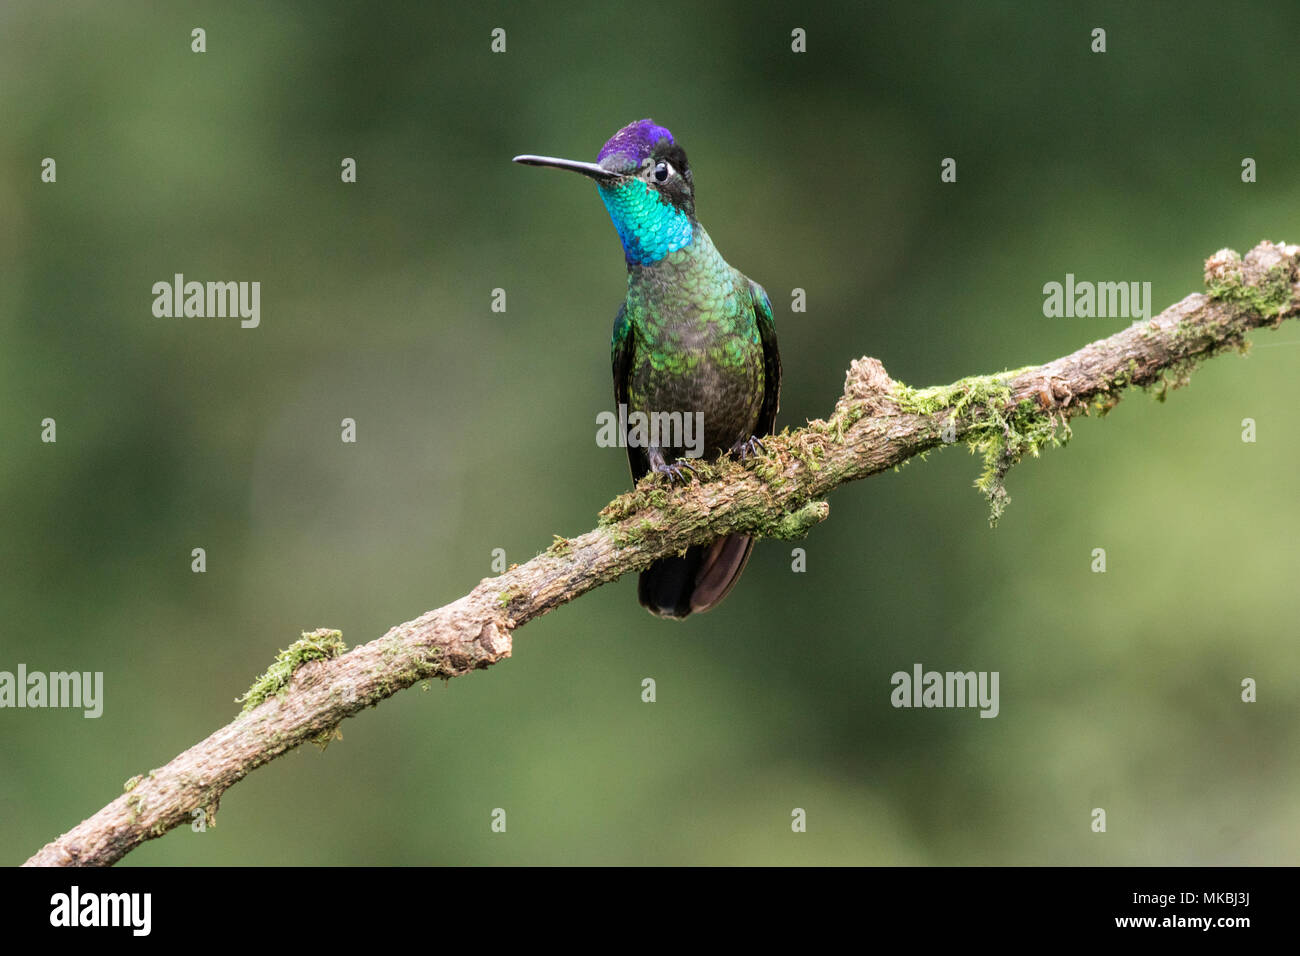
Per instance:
(621,359)
(771,360)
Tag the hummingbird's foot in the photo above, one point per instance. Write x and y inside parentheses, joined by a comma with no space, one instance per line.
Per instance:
(749,448)
(674,471)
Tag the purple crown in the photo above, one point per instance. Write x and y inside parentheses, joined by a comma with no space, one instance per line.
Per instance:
(634,141)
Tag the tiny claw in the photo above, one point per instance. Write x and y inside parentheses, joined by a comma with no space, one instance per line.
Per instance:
(675,470)
(748,448)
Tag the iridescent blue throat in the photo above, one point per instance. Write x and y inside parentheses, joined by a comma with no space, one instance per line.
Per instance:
(648,227)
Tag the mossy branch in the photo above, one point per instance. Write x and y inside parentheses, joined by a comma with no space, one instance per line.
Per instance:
(876,424)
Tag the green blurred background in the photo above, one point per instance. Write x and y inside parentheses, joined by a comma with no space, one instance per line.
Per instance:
(476,429)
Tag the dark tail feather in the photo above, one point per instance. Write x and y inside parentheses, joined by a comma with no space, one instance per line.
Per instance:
(696,581)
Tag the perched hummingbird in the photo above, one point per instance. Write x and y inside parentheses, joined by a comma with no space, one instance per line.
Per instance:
(693,335)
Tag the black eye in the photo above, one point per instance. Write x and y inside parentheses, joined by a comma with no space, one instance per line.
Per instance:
(662,171)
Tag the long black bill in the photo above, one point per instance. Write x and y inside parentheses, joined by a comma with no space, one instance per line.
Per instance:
(598,173)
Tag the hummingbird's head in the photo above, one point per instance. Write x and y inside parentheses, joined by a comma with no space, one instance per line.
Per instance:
(645,183)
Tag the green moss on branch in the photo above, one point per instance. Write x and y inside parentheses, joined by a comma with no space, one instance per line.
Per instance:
(319,645)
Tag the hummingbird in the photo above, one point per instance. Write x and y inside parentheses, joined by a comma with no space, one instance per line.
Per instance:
(693,335)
